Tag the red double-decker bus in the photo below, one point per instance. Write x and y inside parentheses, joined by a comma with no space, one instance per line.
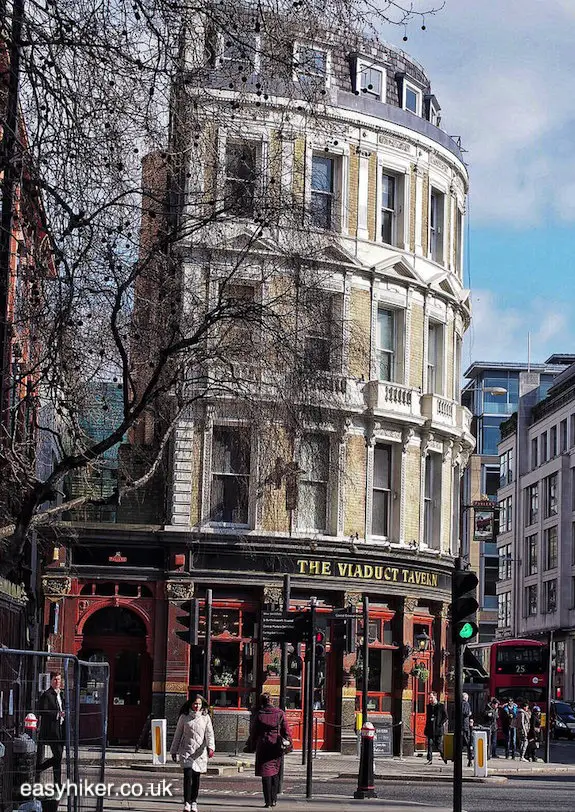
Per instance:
(516,668)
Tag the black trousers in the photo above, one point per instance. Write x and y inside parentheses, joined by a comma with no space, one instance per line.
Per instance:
(466,740)
(191,785)
(55,762)
(434,743)
(270,784)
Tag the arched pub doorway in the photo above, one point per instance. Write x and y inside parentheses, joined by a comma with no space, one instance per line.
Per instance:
(118,636)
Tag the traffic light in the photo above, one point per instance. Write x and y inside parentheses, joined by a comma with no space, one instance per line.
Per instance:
(319,635)
(464,606)
(301,631)
(190,620)
(343,633)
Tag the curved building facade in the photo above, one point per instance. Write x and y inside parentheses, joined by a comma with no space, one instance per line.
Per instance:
(340,147)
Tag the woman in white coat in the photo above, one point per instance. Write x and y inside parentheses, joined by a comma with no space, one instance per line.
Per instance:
(194,743)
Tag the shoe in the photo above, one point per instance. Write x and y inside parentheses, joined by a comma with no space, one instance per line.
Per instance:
(444,759)
(429,761)
(506,755)
(194,807)
(495,755)
(523,759)
(187,807)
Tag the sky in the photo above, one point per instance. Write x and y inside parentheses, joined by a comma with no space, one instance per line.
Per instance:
(502,71)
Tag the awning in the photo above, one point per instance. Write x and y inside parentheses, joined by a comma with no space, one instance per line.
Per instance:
(472,665)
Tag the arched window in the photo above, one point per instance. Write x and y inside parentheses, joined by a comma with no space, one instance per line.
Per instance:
(114,620)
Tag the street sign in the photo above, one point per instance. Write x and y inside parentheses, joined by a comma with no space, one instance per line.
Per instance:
(278,625)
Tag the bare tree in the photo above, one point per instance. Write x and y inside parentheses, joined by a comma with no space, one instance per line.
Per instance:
(121,295)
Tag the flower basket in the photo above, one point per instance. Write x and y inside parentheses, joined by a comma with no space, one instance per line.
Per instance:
(420,672)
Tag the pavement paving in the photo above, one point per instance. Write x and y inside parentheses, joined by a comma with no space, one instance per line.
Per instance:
(413,768)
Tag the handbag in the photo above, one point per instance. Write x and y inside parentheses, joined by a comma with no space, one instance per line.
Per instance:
(285,745)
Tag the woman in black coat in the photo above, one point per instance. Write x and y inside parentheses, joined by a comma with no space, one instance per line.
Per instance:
(268,727)
(435,719)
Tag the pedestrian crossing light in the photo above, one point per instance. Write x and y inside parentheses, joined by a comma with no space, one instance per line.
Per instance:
(464,606)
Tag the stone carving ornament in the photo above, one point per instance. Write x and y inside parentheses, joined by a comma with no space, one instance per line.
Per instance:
(177,591)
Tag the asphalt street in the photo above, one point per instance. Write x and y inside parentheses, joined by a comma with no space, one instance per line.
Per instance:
(516,794)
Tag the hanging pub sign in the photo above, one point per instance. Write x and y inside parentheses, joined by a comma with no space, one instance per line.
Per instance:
(484,520)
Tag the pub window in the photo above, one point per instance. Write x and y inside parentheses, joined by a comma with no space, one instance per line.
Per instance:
(313,483)
(381,510)
(230,475)
(380,680)
(234,657)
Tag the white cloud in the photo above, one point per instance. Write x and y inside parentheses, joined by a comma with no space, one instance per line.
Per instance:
(500,331)
(501,71)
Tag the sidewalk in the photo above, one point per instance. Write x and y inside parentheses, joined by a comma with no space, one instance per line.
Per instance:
(335,765)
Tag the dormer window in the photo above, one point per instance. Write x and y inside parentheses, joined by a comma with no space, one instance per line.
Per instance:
(311,64)
(432,109)
(236,53)
(411,98)
(370,79)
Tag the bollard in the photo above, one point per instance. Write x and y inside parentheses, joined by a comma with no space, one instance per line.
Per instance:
(159,727)
(30,724)
(365,780)
(480,754)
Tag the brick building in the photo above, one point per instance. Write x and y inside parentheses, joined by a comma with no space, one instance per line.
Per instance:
(381,438)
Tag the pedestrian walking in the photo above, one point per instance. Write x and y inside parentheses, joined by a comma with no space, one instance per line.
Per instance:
(435,719)
(491,716)
(534,736)
(193,744)
(268,732)
(466,727)
(521,723)
(52,712)
(507,714)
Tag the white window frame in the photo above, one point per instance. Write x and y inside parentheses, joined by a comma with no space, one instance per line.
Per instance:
(221,59)
(297,76)
(385,350)
(389,490)
(246,430)
(258,170)
(337,195)
(435,191)
(438,387)
(419,97)
(432,501)
(360,66)
(300,526)
(386,166)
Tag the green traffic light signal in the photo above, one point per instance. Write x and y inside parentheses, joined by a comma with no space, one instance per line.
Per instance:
(464,606)
(466,631)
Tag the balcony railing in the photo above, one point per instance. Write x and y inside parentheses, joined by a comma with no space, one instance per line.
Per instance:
(383,396)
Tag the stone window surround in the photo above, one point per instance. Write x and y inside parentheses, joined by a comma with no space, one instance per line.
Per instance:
(362,62)
(313,46)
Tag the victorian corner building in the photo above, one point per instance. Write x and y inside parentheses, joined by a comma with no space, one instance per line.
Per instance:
(382,438)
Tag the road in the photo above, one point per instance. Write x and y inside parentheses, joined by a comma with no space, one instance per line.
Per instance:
(545,794)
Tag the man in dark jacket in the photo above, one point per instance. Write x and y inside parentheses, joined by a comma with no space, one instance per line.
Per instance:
(491,718)
(435,719)
(466,726)
(51,733)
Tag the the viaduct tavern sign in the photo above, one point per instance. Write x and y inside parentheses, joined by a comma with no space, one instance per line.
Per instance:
(370,572)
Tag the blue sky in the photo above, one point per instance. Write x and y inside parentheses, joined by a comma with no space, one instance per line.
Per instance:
(503,73)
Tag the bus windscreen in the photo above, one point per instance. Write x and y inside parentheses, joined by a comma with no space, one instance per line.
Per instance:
(520,660)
